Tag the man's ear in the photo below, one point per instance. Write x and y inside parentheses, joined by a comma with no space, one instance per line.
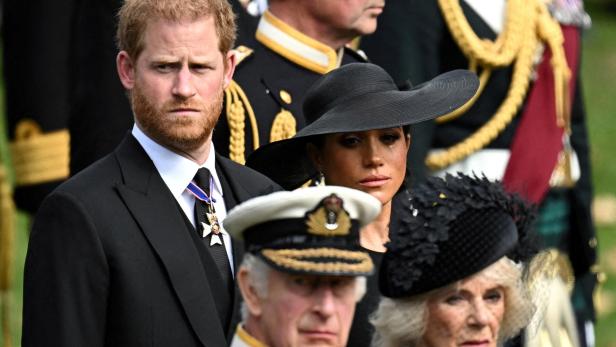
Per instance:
(126,70)
(230,67)
(249,293)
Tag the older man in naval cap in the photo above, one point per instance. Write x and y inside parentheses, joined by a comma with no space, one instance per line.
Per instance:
(304,270)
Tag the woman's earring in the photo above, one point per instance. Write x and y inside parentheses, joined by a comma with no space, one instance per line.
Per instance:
(321,179)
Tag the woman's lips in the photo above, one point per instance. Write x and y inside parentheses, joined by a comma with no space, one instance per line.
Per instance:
(374,181)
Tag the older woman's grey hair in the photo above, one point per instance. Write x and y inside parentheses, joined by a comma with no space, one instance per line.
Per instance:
(402,322)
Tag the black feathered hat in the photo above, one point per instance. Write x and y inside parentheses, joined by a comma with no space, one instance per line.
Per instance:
(359,97)
(450,229)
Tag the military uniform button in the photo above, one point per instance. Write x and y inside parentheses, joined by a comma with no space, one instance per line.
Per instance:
(285,96)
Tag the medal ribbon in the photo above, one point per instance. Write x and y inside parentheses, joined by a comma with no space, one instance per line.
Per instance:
(198,193)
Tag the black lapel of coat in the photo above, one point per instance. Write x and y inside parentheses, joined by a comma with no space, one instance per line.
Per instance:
(238,255)
(154,208)
(234,194)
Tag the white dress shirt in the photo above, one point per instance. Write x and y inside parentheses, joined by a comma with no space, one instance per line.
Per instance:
(177,172)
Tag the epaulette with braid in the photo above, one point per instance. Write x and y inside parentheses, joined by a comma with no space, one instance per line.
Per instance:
(237,108)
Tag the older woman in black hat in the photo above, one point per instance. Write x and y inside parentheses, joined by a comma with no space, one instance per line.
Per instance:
(358,136)
(454,271)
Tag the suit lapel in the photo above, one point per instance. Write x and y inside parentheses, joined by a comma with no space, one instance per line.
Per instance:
(234,194)
(154,208)
(230,184)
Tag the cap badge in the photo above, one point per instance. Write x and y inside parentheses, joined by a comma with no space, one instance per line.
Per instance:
(329,218)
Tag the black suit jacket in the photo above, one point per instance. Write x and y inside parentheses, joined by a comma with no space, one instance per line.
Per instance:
(111,261)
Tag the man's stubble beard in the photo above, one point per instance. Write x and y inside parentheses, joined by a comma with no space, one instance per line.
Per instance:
(184,134)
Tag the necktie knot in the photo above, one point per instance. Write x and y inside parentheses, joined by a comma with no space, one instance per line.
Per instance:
(202,179)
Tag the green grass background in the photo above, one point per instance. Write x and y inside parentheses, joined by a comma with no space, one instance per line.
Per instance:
(599,78)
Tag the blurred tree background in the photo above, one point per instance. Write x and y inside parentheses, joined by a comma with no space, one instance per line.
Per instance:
(599,82)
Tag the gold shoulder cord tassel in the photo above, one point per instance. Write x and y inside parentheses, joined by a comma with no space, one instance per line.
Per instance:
(527,24)
(284,126)
(7,240)
(549,30)
(237,107)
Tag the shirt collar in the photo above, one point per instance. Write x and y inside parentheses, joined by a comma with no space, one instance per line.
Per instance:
(295,46)
(243,339)
(176,171)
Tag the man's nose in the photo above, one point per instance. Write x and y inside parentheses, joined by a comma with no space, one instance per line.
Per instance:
(324,301)
(183,86)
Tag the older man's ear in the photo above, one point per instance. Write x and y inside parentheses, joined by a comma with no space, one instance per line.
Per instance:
(249,293)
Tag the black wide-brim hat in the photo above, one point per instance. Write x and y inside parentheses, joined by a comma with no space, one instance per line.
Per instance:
(359,97)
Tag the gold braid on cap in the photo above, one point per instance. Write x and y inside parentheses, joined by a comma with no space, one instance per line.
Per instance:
(528,25)
(292,259)
(237,108)
(284,126)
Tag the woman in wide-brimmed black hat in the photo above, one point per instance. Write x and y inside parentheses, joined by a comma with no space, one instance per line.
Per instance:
(357,123)
(454,273)
(358,136)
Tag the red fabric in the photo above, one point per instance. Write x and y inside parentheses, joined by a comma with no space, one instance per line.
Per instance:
(538,139)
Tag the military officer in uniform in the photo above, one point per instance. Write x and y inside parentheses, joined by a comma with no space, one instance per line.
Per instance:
(303,270)
(36,54)
(295,43)
(526,126)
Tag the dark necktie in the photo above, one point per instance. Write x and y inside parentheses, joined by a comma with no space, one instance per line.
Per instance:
(205,218)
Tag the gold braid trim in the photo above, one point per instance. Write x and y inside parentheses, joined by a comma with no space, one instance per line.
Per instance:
(549,31)
(38,157)
(499,53)
(7,240)
(528,23)
(283,127)
(291,259)
(237,106)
